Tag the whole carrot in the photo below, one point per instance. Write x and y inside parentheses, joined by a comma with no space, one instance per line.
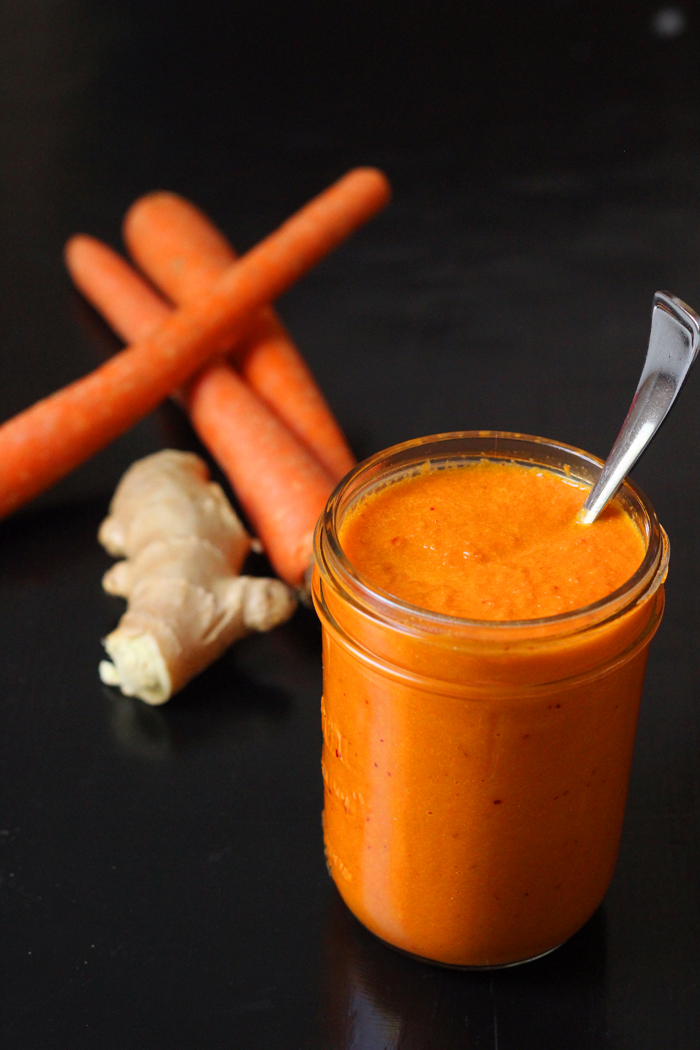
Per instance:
(42,444)
(183,253)
(280,484)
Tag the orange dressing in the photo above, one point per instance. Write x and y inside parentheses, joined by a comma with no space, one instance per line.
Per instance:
(475,779)
(492,541)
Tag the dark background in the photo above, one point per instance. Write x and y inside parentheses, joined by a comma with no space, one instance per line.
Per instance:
(163,881)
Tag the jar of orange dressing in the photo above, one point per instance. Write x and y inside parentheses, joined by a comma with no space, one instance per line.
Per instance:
(483,661)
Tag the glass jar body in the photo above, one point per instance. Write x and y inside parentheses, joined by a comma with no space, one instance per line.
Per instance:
(476,773)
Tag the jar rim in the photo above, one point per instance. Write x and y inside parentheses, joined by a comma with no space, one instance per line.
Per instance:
(500,446)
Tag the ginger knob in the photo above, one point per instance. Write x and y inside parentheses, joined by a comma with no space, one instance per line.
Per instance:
(184,547)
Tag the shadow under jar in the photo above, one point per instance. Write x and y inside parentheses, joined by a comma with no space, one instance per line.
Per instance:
(476,771)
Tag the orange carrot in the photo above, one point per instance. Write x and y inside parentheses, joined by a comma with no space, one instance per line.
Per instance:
(42,444)
(183,253)
(175,245)
(280,484)
(129,305)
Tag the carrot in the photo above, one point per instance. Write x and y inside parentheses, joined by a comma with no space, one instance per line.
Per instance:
(280,484)
(129,305)
(175,245)
(42,444)
(183,253)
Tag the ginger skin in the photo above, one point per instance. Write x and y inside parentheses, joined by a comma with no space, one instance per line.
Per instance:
(184,547)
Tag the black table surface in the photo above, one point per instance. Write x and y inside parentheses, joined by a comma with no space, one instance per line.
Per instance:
(162,872)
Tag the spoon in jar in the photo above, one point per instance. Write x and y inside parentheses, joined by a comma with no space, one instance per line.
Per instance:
(673,346)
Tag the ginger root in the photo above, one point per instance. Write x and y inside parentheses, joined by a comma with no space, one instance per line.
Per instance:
(183,548)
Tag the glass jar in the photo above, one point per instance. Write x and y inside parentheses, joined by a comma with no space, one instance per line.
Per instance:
(476,771)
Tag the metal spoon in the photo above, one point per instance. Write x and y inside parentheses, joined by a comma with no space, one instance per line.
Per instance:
(673,346)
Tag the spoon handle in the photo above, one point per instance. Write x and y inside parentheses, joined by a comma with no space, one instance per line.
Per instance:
(673,346)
